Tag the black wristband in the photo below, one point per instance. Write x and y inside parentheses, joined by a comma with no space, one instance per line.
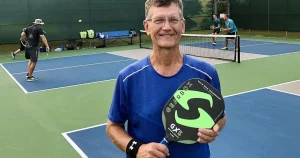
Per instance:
(133,148)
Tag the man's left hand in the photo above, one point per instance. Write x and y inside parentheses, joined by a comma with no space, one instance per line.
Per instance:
(209,135)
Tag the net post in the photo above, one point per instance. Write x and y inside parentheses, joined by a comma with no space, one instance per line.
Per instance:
(239,50)
(235,48)
(140,38)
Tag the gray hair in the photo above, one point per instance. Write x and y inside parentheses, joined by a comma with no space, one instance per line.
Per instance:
(162,3)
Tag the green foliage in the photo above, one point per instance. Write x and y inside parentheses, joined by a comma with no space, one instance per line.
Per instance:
(192,7)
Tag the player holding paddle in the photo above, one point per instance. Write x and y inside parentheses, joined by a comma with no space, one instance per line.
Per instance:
(144,88)
(231,29)
(13,54)
(216,28)
(31,35)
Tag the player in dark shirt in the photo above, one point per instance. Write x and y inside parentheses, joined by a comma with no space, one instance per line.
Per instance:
(33,34)
(13,54)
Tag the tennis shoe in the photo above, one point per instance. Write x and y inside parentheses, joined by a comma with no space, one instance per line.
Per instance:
(30,79)
(13,55)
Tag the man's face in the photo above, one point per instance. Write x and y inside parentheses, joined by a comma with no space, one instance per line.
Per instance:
(225,17)
(214,16)
(165,27)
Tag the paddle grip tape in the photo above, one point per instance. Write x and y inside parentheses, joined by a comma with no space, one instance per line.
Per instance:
(133,148)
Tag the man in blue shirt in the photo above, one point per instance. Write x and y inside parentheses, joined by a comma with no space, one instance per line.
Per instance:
(231,29)
(215,28)
(143,88)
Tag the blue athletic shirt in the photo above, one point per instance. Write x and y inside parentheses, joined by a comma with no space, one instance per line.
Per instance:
(216,22)
(141,93)
(230,24)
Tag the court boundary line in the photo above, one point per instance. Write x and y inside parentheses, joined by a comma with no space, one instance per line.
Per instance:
(264,56)
(73,144)
(267,87)
(14,79)
(69,67)
(284,92)
(81,129)
(71,86)
(257,44)
(271,38)
(11,62)
(26,92)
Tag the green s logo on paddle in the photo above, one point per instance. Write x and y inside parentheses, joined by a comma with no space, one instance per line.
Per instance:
(182,97)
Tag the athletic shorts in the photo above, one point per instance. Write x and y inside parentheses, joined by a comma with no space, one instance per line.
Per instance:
(22,47)
(216,31)
(231,33)
(32,54)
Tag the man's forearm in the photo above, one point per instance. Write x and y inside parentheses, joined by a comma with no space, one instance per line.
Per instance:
(45,41)
(23,36)
(229,29)
(118,135)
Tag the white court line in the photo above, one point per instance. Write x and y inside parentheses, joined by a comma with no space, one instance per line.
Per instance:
(284,92)
(81,153)
(57,57)
(71,86)
(257,44)
(73,144)
(261,88)
(99,53)
(254,45)
(86,128)
(68,67)
(24,90)
(267,87)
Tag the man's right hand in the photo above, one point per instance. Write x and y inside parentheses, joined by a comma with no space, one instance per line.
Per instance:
(153,150)
(47,49)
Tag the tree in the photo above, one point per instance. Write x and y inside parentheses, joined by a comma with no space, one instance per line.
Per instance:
(191,8)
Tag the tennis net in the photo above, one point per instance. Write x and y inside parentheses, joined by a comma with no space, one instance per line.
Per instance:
(201,45)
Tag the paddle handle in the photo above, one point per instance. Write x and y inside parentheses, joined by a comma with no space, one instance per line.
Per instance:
(164,141)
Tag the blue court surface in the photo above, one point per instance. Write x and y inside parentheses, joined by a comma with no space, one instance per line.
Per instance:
(253,47)
(68,71)
(76,70)
(261,124)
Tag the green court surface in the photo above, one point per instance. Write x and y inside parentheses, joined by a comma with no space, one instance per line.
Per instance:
(31,124)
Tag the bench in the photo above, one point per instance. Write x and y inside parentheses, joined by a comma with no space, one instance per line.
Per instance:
(114,36)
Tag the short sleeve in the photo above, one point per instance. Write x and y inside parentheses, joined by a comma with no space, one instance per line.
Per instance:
(230,24)
(118,108)
(40,30)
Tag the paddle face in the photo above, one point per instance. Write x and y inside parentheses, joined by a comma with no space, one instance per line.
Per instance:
(25,43)
(196,104)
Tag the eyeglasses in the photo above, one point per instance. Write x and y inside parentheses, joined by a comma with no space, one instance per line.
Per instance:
(161,21)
